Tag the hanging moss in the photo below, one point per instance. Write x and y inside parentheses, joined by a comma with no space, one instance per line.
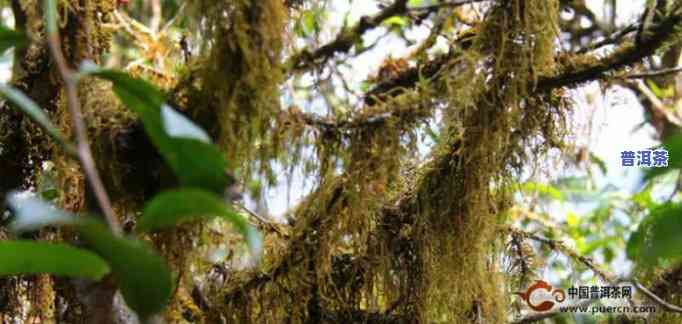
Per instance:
(497,120)
(396,263)
(241,74)
(383,241)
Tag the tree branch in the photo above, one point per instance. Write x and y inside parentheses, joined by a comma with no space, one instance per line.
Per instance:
(446,4)
(563,249)
(627,54)
(658,300)
(383,91)
(610,40)
(649,74)
(345,39)
(587,69)
(83,147)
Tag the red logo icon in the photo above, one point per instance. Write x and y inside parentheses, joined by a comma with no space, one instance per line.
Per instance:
(558,294)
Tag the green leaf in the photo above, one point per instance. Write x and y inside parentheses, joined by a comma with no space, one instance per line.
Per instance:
(29,257)
(142,275)
(11,38)
(644,198)
(177,206)
(634,245)
(31,109)
(658,236)
(609,254)
(184,146)
(198,164)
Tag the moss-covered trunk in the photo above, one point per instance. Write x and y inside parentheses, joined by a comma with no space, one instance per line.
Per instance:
(26,150)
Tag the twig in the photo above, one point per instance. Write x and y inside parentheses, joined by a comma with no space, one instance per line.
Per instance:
(450,4)
(649,74)
(83,146)
(157,15)
(612,39)
(622,57)
(656,104)
(261,219)
(658,300)
(346,38)
(561,247)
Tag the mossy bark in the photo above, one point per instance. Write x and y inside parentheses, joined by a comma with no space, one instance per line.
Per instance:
(43,298)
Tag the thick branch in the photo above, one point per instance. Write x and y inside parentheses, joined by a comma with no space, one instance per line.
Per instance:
(588,69)
(626,55)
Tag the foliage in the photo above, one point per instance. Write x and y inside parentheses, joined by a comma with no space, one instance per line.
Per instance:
(10,38)
(26,257)
(415,136)
(658,237)
(142,275)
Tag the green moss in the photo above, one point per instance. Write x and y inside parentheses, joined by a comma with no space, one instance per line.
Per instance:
(241,74)
(348,251)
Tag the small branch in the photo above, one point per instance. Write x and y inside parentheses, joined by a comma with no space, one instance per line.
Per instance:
(261,220)
(83,146)
(327,124)
(562,248)
(157,15)
(447,4)
(658,300)
(346,38)
(649,74)
(657,104)
(612,39)
(626,55)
